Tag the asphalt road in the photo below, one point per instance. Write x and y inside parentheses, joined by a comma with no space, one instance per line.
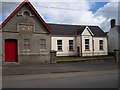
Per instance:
(58,68)
(92,79)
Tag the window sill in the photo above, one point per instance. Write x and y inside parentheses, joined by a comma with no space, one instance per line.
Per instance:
(87,50)
(43,50)
(26,50)
(59,50)
(71,50)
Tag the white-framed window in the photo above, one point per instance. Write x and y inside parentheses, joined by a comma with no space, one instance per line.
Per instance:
(71,45)
(26,44)
(59,45)
(93,45)
(87,46)
(101,44)
(42,44)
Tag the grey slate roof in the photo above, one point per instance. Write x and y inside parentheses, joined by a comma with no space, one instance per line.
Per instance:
(97,31)
(61,29)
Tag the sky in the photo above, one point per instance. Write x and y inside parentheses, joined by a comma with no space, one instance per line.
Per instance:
(73,12)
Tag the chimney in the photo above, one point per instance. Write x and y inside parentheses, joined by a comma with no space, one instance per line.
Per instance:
(113,23)
(26,1)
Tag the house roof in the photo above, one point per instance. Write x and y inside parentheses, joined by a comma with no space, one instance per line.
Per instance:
(32,8)
(61,29)
(106,32)
(97,31)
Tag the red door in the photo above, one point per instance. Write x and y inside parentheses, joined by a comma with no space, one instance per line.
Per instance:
(10,50)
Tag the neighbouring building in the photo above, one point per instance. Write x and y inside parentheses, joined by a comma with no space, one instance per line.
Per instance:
(0,47)
(25,36)
(114,37)
(76,40)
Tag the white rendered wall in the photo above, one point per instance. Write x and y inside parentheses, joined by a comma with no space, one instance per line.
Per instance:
(90,51)
(97,51)
(113,39)
(79,41)
(65,46)
(93,45)
(86,35)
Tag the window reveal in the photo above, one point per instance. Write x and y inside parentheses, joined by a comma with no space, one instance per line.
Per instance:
(101,44)
(42,44)
(59,45)
(87,44)
(26,44)
(71,45)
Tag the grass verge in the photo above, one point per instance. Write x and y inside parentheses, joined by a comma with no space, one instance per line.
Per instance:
(59,59)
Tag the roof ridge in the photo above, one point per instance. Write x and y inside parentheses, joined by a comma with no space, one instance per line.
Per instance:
(71,24)
(62,24)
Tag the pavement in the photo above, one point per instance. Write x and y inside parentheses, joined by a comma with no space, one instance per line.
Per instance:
(64,67)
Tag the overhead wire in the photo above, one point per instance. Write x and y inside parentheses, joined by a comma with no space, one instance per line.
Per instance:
(52,7)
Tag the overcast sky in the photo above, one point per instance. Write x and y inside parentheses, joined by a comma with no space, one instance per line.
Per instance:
(80,12)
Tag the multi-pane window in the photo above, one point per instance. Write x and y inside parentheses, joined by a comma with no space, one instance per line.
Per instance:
(86,44)
(93,46)
(70,45)
(101,44)
(59,44)
(26,44)
(42,44)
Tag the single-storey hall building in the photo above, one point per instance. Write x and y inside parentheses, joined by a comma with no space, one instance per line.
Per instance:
(25,36)
(76,40)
